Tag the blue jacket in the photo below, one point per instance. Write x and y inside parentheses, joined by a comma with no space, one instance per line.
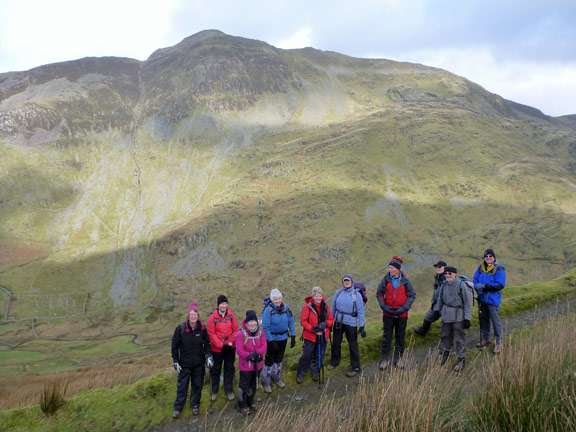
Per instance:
(496,281)
(344,307)
(277,323)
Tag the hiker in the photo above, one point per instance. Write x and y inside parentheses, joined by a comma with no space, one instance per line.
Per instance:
(431,315)
(190,353)
(316,320)
(348,308)
(454,304)
(489,281)
(395,295)
(251,347)
(278,324)
(222,329)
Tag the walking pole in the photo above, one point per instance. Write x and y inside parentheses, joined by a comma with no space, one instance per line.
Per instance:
(321,359)
(211,410)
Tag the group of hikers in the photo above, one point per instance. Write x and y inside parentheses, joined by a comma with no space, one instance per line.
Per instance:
(260,345)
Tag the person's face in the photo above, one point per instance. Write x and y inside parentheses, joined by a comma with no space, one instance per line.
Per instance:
(450,276)
(439,270)
(489,259)
(252,325)
(317,298)
(393,271)
(223,307)
(347,283)
(277,301)
(193,316)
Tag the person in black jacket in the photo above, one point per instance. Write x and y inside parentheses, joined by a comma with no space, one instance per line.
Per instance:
(190,352)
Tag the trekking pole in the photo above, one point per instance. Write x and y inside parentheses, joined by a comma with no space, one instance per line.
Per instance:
(256,370)
(211,410)
(321,359)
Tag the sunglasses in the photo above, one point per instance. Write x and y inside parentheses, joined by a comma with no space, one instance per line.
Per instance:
(489,256)
(448,273)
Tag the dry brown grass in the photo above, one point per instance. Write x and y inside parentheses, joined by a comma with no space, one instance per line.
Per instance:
(24,390)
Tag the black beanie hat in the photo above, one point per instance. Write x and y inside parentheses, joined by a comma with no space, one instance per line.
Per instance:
(489,252)
(221,299)
(396,262)
(251,316)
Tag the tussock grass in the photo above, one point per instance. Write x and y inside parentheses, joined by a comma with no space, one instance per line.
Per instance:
(52,397)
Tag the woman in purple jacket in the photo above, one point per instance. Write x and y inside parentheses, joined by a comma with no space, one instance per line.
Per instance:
(250,347)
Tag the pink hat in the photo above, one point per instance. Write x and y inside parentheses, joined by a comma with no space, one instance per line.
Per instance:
(193,306)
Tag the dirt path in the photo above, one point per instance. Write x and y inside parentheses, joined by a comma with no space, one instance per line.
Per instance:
(307,393)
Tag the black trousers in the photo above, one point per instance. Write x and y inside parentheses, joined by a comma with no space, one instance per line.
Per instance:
(351,333)
(398,327)
(310,356)
(194,376)
(227,358)
(247,388)
(275,352)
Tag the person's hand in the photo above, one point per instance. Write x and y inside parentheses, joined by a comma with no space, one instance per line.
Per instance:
(292,341)
(253,356)
(322,326)
(177,367)
(209,361)
(362,332)
(316,329)
(388,310)
(399,311)
(466,324)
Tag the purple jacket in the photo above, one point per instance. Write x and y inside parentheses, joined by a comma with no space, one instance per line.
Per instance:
(245,344)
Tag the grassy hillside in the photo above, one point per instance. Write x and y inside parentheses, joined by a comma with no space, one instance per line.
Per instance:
(222,165)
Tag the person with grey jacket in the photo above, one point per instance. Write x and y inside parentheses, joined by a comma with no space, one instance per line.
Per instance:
(455,306)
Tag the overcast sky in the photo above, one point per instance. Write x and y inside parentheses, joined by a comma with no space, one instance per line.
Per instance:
(523,50)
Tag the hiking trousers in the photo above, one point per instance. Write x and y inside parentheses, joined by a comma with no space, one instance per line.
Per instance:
(194,376)
(275,352)
(247,388)
(453,333)
(351,333)
(225,358)
(310,356)
(396,326)
(489,313)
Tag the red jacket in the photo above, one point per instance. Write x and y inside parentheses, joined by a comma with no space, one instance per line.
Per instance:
(391,299)
(222,330)
(310,318)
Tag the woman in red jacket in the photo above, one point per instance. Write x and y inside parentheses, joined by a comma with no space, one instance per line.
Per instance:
(316,319)
(222,329)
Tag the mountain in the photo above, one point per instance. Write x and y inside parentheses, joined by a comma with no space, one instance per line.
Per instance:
(129,189)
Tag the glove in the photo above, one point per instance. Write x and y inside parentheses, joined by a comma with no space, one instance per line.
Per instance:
(177,367)
(259,358)
(253,356)
(322,326)
(399,311)
(466,324)
(316,329)
(489,288)
(362,332)
(209,361)
(292,341)
(479,287)
(387,310)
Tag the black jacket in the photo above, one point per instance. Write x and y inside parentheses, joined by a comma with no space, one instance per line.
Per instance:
(190,349)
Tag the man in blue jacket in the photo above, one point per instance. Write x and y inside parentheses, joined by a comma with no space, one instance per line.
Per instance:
(348,311)
(489,281)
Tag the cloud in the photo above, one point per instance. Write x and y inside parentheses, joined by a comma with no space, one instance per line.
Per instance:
(301,39)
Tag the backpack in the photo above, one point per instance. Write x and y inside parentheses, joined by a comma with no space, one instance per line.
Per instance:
(468,283)
(362,290)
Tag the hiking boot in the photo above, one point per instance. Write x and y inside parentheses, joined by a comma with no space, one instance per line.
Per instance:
(280,383)
(254,407)
(230,396)
(213,396)
(176,414)
(330,366)
(195,410)
(383,365)
(445,357)
(497,349)
(245,411)
(352,372)
(459,366)
(299,380)
(267,388)
(483,343)
(315,377)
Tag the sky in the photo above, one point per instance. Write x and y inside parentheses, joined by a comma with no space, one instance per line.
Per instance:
(523,50)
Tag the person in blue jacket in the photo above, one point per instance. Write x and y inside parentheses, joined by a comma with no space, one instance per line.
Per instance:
(278,324)
(489,281)
(348,311)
